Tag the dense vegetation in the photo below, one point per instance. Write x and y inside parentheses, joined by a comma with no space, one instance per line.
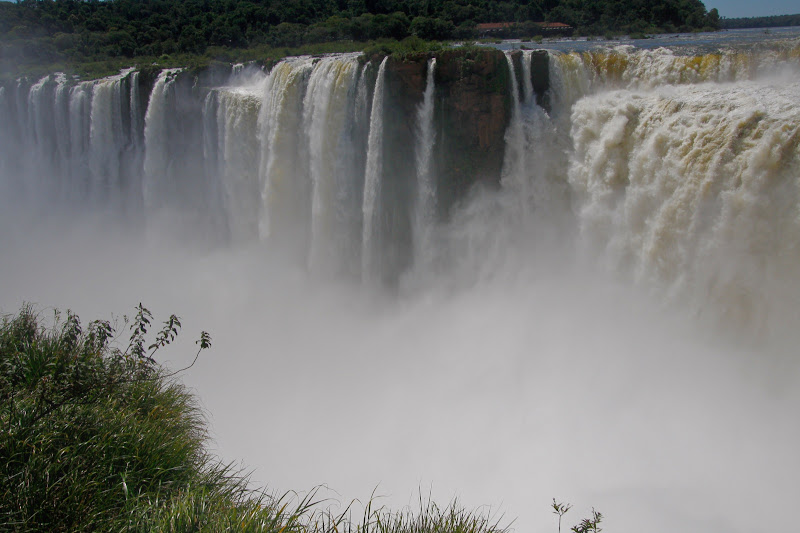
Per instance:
(778,21)
(52,31)
(97,438)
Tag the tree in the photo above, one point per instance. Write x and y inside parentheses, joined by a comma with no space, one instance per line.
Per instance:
(713,18)
(432,29)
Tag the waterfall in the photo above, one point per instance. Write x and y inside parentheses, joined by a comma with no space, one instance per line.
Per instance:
(4,112)
(533,163)
(80,103)
(213,147)
(625,245)
(371,206)
(513,166)
(135,148)
(283,193)
(232,153)
(61,98)
(331,87)
(527,78)
(295,156)
(577,74)
(283,151)
(425,205)
(517,172)
(39,106)
(136,111)
(308,174)
(106,140)
(695,189)
(155,181)
(5,118)
(362,100)
(41,133)
(13,136)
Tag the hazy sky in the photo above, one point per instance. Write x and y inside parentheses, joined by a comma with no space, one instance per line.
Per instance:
(748,8)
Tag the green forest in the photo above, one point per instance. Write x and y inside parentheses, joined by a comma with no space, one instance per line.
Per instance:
(75,31)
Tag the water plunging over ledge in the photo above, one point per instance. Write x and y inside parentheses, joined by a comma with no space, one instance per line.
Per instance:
(581,267)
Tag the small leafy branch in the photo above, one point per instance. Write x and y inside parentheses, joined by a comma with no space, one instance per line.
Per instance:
(168,333)
(587,525)
(139,328)
(560,509)
(590,525)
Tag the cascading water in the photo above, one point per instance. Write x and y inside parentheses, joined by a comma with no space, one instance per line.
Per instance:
(577,74)
(327,116)
(514,165)
(41,136)
(61,120)
(297,155)
(281,174)
(676,171)
(372,182)
(668,169)
(137,127)
(107,139)
(232,154)
(362,103)
(425,204)
(532,146)
(157,189)
(304,145)
(299,152)
(80,101)
(5,118)
(6,139)
(696,188)
(527,78)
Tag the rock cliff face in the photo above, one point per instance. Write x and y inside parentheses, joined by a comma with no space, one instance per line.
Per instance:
(472,109)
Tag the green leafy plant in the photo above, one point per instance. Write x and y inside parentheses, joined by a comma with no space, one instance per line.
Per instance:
(560,509)
(587,525)
(91,431)
(590,525)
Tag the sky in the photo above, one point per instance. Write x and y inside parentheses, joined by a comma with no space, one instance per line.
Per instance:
(748,8)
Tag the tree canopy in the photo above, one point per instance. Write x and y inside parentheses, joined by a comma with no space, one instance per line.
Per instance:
(90,30)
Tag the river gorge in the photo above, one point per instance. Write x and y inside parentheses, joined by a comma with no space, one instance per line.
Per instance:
(507,275)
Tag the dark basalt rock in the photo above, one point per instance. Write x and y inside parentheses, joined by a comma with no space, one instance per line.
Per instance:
(472,111)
